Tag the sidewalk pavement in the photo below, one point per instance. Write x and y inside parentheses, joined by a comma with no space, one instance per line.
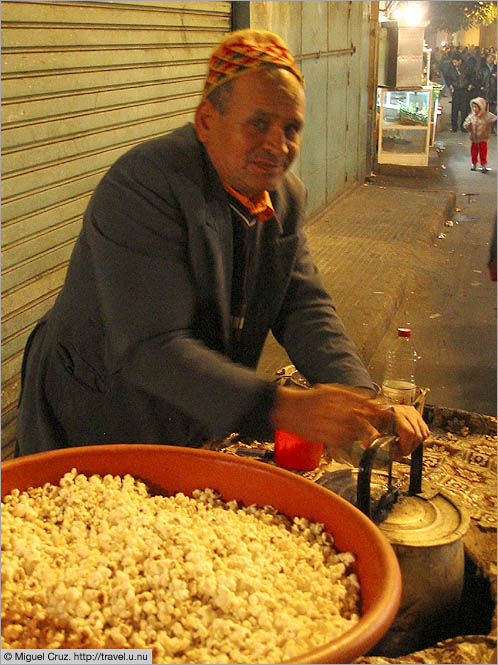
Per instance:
(369,246)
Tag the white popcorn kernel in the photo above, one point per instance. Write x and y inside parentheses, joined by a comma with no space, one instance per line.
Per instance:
(105,565)
(83,609)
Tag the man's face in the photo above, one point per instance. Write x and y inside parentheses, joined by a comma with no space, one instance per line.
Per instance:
(253,144)
(457,62)
(490,58)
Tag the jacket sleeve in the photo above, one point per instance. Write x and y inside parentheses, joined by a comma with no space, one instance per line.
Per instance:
(449,75)
(311,331)
(139,240)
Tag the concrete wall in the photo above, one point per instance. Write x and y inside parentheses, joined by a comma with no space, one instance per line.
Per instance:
(483,36)
(488,35)
(331,42)
(468,37)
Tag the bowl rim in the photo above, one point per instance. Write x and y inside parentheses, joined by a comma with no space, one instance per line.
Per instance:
(354,642)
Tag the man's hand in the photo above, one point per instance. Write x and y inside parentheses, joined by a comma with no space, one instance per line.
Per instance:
(337,415)
(410,427)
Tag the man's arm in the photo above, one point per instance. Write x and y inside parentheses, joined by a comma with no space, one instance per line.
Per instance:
(311,331)
(140,243)
(337,415)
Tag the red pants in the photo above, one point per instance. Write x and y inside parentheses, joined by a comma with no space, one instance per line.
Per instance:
(479,149)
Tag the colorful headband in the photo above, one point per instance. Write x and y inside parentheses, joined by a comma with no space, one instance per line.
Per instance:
(244,50)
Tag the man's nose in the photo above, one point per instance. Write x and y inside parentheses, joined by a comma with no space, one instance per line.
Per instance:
(276,140)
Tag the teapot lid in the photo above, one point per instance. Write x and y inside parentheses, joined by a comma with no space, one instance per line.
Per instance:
(427,519)
(424,516)
(419,522)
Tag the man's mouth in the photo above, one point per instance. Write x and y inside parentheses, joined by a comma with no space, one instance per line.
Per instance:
(267,166)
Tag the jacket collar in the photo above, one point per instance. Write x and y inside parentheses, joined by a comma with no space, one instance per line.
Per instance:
(216,195)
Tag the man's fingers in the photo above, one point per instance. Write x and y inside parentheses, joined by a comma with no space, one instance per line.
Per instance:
(410,427)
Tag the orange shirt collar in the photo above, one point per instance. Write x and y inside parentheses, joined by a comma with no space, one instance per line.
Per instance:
(259,206)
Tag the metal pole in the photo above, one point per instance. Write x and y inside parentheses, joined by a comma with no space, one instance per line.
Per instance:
(323,54)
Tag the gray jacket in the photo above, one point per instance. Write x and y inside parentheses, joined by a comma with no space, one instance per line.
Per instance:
(135,348)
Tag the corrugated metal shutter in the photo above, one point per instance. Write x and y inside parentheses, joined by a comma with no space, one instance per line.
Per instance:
(82,82)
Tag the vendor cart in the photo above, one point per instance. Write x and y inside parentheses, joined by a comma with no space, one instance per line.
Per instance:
(459,459)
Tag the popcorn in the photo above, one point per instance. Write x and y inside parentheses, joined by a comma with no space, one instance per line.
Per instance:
(100,563)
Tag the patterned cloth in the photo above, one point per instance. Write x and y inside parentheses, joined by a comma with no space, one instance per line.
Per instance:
(463,649)
(244,50)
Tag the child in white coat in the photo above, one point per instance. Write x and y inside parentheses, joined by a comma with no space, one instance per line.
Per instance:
(479,124)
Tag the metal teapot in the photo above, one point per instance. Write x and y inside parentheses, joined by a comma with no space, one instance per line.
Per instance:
(425,529)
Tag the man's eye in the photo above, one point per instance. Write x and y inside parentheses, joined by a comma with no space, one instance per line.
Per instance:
(259,123)
(292,132)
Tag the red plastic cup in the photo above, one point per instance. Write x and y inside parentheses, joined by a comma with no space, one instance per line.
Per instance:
(294,452)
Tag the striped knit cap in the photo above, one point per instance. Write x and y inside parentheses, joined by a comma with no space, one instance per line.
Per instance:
(244,50)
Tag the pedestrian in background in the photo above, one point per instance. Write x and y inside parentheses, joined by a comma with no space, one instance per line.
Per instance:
(492,253)
(469,63)
(444,69)
(479,123)
(479,56)
(487,81)
(459,82)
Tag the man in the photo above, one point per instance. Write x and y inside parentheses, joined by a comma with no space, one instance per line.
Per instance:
(487,81)
(460,85)
(192,249)
(445,66)
(492,253)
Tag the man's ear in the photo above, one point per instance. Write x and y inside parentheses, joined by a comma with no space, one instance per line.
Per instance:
(204,116)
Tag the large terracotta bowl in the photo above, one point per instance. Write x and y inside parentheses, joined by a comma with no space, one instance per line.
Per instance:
(177,469)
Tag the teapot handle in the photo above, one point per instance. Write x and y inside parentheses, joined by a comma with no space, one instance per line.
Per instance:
(365,471)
